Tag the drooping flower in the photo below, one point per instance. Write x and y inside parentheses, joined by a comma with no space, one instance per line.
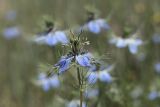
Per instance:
(52,38)
(132,43)
(11,32)
(96,26)
(48,82)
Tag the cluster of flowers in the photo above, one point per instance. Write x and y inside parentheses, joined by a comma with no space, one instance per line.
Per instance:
(84,59)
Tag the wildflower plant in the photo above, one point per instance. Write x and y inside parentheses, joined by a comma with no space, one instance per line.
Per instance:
(79,59)
(96,25)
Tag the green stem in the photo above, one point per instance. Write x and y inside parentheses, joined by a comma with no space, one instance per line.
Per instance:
(80,86)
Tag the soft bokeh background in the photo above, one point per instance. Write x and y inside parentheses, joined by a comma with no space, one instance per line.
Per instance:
(135,76)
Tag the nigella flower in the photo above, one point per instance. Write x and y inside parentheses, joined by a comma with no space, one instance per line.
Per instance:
(103,76)
(132,43)
(76,103)
(52,38)
(95,26)
(156,38)
(64,64)
(153,95)
(11,32)
(157,67)
(48,82)
(83,60)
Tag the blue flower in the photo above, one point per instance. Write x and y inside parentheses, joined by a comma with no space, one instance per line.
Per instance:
(84,60)
(156,38)
(157,67)
(48,82)
(64,64)
(52,38)
(132,43)
(95,26)
(11,32)
(153,95)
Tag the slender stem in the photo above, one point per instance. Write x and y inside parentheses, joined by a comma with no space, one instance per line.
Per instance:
(81,97)
(79,77)
(80,86)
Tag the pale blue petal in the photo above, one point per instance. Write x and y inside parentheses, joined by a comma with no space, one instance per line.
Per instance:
(121,43)
(61,37)
(45,85)
(40,39)
(133,48)
(51,40)
(64,64)
(54,81)
(105,77)
(92,78)
(83,60)
(103,24)
(94,27)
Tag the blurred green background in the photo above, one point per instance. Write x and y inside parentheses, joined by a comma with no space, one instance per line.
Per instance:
(19,59)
